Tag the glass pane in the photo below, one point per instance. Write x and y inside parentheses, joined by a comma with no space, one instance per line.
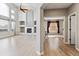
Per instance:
(12,17)
(4,25)
(4,9)
(12,11)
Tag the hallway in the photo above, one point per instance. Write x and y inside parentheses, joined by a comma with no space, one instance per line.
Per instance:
(61,50)
(17,46)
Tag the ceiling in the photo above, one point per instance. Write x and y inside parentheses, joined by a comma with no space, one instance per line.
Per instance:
(27,5)
(56,5)
(44,5)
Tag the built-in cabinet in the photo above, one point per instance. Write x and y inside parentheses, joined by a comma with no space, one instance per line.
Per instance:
(27,24)
(22,26)
(22,29)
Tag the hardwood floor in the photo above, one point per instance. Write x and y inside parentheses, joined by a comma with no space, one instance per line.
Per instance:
(20,45)
(62,50)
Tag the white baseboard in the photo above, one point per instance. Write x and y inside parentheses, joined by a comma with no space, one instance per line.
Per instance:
(66,42)
(39,53)
(42,53)
(77,49)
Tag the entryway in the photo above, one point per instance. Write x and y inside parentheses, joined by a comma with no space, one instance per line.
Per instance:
(72,30)
(55,26)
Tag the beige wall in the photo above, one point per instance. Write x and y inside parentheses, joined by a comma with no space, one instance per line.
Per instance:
(73,8)
(54,12)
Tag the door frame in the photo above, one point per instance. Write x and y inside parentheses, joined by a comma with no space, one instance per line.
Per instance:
(57,18)
(76,30)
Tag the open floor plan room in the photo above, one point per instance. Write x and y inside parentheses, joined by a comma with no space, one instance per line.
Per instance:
(39,29)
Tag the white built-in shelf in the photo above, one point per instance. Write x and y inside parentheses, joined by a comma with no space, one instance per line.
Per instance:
(22,26)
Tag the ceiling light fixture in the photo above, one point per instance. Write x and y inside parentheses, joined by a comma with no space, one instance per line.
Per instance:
(24,10)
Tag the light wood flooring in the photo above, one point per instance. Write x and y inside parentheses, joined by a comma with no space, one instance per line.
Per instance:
(62,50)
(19,45)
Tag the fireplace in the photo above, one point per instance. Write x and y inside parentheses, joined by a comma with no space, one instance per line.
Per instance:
(29,30)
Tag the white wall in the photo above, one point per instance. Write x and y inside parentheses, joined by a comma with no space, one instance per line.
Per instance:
(37,17)
(36,10)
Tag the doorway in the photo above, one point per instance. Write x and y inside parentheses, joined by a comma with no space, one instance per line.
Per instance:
(52,27)
(55,27)
(72,29)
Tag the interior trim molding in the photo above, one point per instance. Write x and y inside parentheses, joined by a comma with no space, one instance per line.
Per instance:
(66,42)
(39,53)
(68,21)
(54,18)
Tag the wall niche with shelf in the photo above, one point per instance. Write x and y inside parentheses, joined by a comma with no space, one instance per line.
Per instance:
(22,29)
(22,22)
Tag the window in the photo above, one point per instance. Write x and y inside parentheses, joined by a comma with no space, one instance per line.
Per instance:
(12,11)
(4,25)
(12,17)
(12,14)
(4,10)
(7,18)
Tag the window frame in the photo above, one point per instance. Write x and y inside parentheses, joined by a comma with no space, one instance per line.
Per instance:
(9,19)
(7,11)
